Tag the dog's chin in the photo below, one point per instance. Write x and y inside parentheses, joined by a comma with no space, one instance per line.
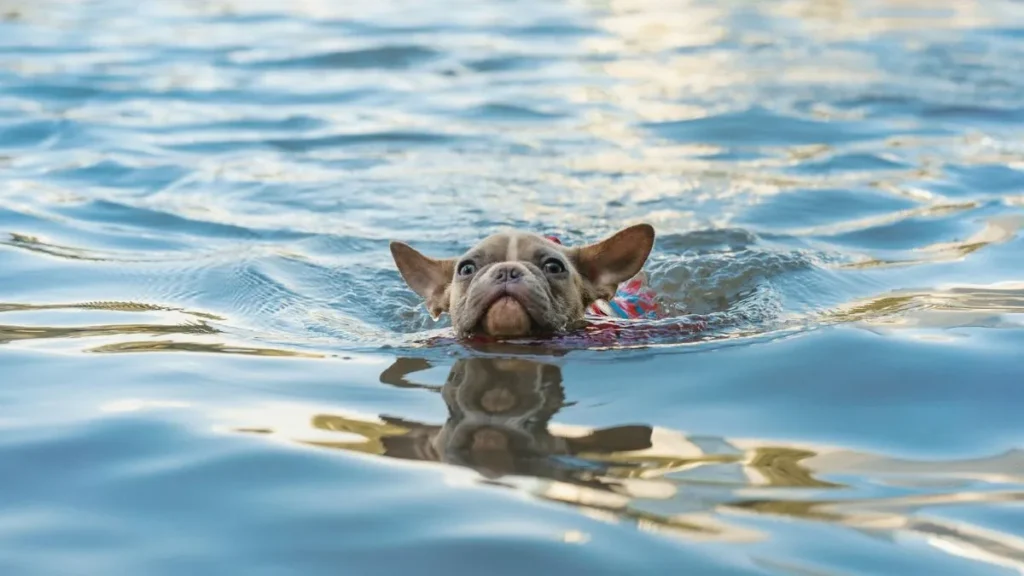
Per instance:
(506,318)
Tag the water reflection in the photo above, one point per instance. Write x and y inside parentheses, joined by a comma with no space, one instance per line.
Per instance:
(502,424)
(204,347)
(499,424)
(807,163)
(998,306)
(33,244)
(13,333)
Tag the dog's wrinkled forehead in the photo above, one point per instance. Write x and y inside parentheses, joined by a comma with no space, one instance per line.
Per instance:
(512,247)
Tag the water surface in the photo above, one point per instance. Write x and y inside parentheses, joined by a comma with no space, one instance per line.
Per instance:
(209,365)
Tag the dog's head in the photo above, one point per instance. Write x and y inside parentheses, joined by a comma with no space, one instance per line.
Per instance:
(499,415)
(518,284)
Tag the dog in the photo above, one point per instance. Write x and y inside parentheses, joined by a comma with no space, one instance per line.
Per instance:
(499,416)
(518,284)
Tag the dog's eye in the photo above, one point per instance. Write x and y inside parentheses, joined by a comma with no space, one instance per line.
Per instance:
(553,266)
(467,268)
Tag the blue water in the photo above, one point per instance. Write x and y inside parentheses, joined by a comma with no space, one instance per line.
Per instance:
(209,365)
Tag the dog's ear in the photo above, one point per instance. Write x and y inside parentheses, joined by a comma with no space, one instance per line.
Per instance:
(428,277)
(616,259)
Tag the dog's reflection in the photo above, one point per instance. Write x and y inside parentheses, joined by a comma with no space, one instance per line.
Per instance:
(498,424)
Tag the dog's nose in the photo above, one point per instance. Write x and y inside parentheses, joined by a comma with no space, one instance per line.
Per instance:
(507,273)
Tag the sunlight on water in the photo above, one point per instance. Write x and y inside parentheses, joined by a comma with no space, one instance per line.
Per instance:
(209,363)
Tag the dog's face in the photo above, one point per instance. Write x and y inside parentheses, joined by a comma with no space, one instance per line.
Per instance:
(499,411)
(518,284)
(499,414)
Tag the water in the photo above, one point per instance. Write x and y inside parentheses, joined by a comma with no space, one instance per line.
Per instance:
(209,365)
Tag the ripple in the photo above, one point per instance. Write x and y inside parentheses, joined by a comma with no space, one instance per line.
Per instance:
(705,241)
(794,210)
(29,134)
(110,173)
(758,127)
(386,57)
(990,179)
(201,347)
(103,211)
(498,111)
(995,231)
(502,424)
(112,306)
(337,140)
(209,362)
(248,124)
(34,244)
(954,307)
(504,64)
(9,333)
(55,92)
(906,229)
(851,162)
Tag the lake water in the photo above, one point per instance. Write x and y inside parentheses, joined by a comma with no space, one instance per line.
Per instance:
(209,364)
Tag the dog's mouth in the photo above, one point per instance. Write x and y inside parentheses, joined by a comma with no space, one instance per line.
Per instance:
(506,317)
